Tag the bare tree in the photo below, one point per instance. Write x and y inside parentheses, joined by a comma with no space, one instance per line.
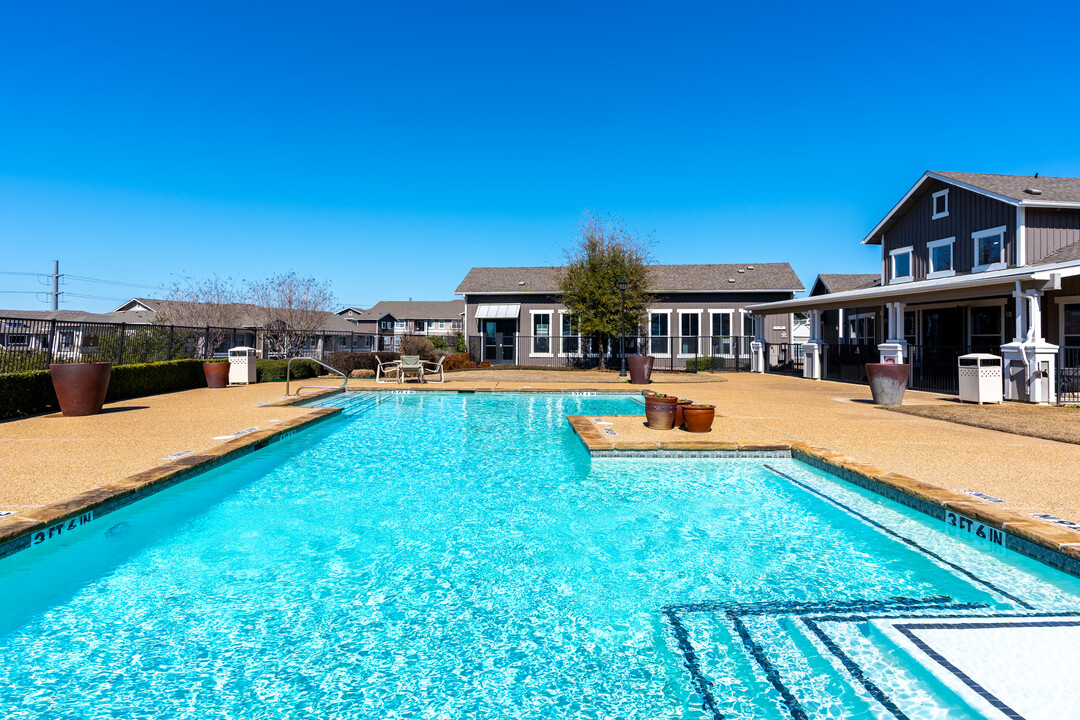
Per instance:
(210,304)
(290,309)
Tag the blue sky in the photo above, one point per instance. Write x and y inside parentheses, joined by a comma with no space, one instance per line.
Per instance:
(390,147)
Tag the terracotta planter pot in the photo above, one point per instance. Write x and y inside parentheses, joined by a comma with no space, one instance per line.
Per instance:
(640,367)
(699,418)
(682,403)
(660,412)
(888,381)
(217,374)
(80,387)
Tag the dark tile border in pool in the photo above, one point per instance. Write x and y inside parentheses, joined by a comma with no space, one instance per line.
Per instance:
(17,531)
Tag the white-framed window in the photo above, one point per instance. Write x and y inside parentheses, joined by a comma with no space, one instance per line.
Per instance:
(400,325)
(940,258)
(67,338)
(940,202)
(900,262)
(660,333)
(18,340)
(989,249)
(721,331)
(689,332)
(541,332)
(571,343)
(442,324)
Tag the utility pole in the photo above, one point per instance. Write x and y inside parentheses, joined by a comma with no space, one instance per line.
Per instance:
(54,296)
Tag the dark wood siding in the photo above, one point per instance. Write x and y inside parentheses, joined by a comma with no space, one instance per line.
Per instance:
(969,212)
(1048,230)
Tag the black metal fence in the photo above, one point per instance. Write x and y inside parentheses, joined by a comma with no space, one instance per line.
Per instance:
(1068,375)
(33,344)
(847,362)
(689,354)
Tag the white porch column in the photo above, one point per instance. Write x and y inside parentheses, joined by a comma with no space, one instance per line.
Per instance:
(894,349)
(813,349)
(757,347)
(1030,372)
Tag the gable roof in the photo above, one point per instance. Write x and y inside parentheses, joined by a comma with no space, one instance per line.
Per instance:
(420,309)
(662,278)
(248,313)
(839,283)
(1061,192)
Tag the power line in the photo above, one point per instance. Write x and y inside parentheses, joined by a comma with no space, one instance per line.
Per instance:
(111,282)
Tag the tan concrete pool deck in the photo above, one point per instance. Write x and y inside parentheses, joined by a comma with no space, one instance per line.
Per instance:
(48,459)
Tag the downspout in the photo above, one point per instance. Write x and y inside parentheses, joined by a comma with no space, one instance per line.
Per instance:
(1027,332)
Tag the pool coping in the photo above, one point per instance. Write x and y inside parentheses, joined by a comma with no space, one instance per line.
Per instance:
(1053,545)
(24,529)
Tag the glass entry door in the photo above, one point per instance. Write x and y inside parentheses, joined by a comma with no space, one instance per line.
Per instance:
(499,341)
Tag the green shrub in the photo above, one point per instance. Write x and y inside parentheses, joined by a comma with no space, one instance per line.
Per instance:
(131,381)
(26,393)
(458,344)
(705,363)
(439,343)
(274,370)
(346,362)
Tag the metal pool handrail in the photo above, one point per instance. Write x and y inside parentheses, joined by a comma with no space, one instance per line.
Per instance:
(288,369)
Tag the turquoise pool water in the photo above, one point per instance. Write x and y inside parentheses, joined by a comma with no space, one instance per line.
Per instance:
(460,556)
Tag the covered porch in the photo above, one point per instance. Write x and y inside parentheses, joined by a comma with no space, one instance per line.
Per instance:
(1029,318)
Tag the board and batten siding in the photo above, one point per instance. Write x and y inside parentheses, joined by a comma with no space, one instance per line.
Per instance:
(1048,230)
(969,213)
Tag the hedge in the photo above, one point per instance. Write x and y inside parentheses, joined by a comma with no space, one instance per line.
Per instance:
(707,363)
(25,393)
(32,392)
(274,370)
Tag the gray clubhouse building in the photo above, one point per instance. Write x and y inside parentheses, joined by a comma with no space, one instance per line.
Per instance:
(514,315)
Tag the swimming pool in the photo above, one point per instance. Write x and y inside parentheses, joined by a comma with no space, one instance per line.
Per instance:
(436,555)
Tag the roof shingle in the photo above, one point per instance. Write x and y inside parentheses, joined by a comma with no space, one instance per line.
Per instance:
(663,278)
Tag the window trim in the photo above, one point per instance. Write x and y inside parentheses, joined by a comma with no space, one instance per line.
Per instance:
(730,312)
(976,237)
(562,336)
(930,246)
(893,278)
(934,214)
(653,311)
(532,331)
(689,311)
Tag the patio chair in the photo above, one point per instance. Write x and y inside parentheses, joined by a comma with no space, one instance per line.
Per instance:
(410,364)
(388,369)
(432,368)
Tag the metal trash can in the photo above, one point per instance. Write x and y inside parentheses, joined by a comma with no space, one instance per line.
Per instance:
(980,378)
(242,365)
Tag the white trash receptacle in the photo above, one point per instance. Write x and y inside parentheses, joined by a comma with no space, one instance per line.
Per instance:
(242,365)
(980,378)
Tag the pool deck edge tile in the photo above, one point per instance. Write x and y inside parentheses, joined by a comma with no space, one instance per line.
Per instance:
(16,530)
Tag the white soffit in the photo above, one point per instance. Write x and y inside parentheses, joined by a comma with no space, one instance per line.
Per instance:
(497,312)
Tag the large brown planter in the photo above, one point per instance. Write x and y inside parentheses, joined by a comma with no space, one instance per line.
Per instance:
(217,374)
(888,381)
(699,418)
(80,387)
(640,367)
(660,412)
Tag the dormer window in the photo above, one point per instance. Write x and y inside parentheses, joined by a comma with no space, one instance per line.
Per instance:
(901,264)
(941,204)
(989,249)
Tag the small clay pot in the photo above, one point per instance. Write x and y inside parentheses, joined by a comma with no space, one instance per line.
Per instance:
(682,403)
(660,412)
(699,418)
(217,374)
(80,387)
